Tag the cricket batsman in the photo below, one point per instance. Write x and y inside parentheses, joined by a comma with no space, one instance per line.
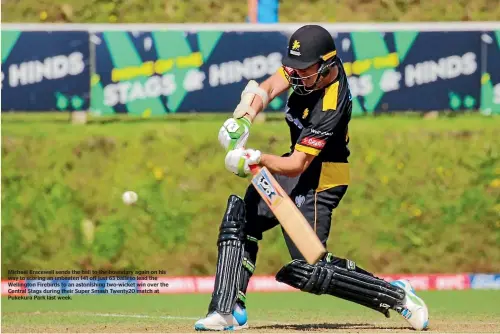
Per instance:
(315,174)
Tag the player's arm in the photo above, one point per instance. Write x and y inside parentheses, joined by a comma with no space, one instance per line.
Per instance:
(275,85)
(311,141)
(239,160)
(261,95)
(292,165)
(254,98)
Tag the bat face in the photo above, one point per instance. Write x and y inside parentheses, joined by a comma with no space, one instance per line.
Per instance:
(262,181)
(289,216)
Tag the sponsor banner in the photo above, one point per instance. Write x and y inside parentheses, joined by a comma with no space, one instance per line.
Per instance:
(166,285)
(157,72)
(14,288)
(85,287)
(490,78)
(485,281)
(166,71)
(267,284)
(174,71)
(434,281)
(452,282)
(411,70)
(41,287)
(205,284)
(45,71)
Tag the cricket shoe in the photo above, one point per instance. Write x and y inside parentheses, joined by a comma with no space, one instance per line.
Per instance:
(224,322)
(413,309)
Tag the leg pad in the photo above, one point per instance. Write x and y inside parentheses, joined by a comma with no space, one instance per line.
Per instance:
(347,282)
(230,258)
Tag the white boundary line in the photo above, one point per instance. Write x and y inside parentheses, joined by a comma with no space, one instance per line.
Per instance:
(280,27)
(114,315)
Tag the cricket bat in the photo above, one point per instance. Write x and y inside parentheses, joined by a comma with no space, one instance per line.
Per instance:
(289,216)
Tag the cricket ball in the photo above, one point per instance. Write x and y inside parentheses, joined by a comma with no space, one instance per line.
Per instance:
(129,197)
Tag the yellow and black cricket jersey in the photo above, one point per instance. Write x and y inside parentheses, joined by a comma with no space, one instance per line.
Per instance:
(318,125)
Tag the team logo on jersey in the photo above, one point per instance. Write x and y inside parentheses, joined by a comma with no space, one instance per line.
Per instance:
(295,48)
(299,200)
(305,113)
(293,120)
(313,142)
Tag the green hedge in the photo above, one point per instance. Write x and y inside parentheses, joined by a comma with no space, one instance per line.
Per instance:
(200,11)
(424,195)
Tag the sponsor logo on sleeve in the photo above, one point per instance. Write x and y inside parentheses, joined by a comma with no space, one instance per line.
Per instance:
(321,133)
(313,142)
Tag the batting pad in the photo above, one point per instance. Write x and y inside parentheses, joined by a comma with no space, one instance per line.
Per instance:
(345,283)
(230,258)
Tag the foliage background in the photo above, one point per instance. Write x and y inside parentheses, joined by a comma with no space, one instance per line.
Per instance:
(199,11)
(424,195)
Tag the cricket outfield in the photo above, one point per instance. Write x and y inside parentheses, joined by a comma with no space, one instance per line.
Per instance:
(424,199)
(469,311)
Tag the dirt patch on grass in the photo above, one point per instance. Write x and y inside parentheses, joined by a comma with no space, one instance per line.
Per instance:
(437,326)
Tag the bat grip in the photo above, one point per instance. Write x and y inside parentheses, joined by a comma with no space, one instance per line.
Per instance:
(254,169)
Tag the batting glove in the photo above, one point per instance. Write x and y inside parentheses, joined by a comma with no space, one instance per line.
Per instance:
(234,133)
(238,161)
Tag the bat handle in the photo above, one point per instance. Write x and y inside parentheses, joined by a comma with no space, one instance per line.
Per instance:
(254,169)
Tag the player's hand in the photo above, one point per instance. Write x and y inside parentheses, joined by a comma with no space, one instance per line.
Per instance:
(238,161)
(234,133)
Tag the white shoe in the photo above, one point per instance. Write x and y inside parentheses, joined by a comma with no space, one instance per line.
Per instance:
(414,309)
(224,322)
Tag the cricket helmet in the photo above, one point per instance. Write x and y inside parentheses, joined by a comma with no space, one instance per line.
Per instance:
(309,45)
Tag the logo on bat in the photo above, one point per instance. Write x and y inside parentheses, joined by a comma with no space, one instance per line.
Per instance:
(264,184)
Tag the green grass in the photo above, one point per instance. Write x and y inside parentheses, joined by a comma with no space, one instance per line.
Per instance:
(450,311)
(181,11)
(424,194)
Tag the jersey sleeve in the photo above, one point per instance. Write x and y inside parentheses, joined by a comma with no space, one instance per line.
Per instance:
(325,122)
(285,72)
